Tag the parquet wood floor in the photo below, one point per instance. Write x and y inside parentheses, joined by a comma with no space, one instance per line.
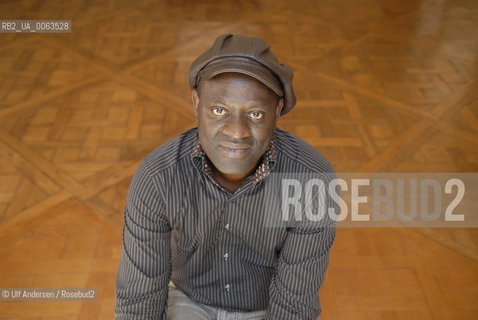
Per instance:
(383,85)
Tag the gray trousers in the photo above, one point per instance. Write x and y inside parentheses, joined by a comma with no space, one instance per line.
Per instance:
(180,307)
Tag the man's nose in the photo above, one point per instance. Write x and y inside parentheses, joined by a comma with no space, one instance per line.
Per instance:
(237,127)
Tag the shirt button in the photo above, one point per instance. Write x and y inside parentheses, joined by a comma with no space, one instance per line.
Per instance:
(227,226)
(226,256)
(228,287)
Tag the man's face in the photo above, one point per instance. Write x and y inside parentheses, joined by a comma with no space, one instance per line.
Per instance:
(236,116)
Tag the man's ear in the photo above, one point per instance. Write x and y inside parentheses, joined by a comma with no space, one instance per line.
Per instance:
(195,99)
(280,105)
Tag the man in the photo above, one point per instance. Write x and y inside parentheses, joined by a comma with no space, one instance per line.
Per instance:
(198,241)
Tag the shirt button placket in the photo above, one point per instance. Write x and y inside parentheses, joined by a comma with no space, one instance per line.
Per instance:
(227,227)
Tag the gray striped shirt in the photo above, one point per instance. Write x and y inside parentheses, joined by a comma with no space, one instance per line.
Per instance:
(214,245)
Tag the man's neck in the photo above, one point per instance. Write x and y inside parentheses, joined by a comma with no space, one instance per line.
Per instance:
(229,182)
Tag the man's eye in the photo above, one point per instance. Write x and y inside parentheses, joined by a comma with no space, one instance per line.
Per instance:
(218,111)
(256,115)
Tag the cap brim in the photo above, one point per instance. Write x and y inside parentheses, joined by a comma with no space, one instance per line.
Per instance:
(251,69)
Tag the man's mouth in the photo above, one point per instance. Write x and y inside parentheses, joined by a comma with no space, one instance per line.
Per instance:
(235,151)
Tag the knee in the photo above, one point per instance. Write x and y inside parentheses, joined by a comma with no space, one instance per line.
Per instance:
(186,312)
(180,307)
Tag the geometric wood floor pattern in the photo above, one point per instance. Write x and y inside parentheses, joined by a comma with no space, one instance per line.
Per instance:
(382,85)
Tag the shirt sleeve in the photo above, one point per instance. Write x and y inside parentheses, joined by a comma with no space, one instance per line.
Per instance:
(300,271)
(144,268)
(299,275)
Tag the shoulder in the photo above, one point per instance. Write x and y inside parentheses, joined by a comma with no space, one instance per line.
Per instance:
(299,155)
(170,153)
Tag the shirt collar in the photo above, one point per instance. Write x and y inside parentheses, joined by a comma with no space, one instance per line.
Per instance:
(265,167)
